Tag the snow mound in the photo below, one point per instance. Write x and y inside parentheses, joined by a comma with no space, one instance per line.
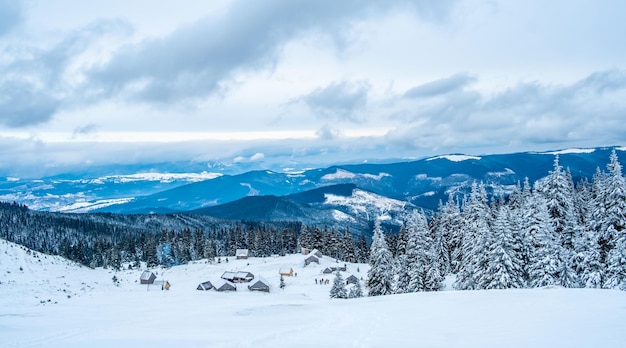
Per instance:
(454,158)
(568,151)
(341,174)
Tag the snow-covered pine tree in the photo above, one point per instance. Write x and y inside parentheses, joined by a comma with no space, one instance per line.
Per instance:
(543,257)
(559,193)
(348,247)
(417,248)
(356,291)
(616,264)
(339,287)
(450,225)
(590,268)
(475,240)
(209,250)
(381,273)
(613,226)
(401,280)
(442,235)
(504,264)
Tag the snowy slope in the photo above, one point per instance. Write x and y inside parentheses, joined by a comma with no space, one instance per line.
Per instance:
(100,314)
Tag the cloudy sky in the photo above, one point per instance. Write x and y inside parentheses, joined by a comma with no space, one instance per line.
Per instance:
(86,83)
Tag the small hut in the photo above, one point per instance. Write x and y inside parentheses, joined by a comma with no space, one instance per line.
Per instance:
(224,285)
(241,254)
(205,286)
(286,271)
(333,269)
(351,279)
(147,277)
(310,259)
(259,284)
(305,251)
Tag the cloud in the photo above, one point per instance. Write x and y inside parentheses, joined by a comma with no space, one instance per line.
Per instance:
(33,84)
(202,58)
(88,129)
(338,101)
(328,133)
(529,113)
(22,104)
(441,86)
(10,15)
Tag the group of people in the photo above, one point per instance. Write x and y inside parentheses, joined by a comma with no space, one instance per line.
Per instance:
(322,281)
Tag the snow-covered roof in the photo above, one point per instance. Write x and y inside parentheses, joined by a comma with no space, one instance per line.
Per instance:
(222,284)
(229,275)
(243,274)
(146,275)
(260,279)
(241,252)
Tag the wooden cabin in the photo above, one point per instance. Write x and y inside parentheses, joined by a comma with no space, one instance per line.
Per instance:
(241,254)
(205,286)
(286,271)
(259,284)
(147,277)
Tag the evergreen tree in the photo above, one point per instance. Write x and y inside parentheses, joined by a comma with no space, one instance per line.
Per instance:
(504,265)
(348,247)
(559,193)
(339,287)
(417,260)
(356,291)
(475,240)
(613,224)
(361,249)
(381,273)
(209,250)
(543,244)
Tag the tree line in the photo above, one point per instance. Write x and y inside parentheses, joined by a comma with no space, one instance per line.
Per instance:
(110,240)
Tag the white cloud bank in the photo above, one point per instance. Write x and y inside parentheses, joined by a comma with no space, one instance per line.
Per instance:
(300,81)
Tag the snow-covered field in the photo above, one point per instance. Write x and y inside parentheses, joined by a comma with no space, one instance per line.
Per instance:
(51,302)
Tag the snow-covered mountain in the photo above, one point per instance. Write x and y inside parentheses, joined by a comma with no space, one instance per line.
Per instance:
(340,205)
(47,301)
(421,183)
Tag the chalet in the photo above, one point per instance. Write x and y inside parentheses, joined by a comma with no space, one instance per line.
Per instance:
(238,277)
(205,286)
(241,254)
(311,258)
(224,285)
(305,251)
(147,277)
(333,269)
(259,284)
(286,271)
(351,279)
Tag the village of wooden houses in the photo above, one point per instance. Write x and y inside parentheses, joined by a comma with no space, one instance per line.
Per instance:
(244,273)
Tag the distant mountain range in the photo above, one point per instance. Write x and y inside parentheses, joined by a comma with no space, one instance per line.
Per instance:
(347,194)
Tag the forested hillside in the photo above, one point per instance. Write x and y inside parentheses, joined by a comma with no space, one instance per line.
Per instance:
(552,233)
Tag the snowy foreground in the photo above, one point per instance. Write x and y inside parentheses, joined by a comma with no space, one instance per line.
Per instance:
(51,302)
